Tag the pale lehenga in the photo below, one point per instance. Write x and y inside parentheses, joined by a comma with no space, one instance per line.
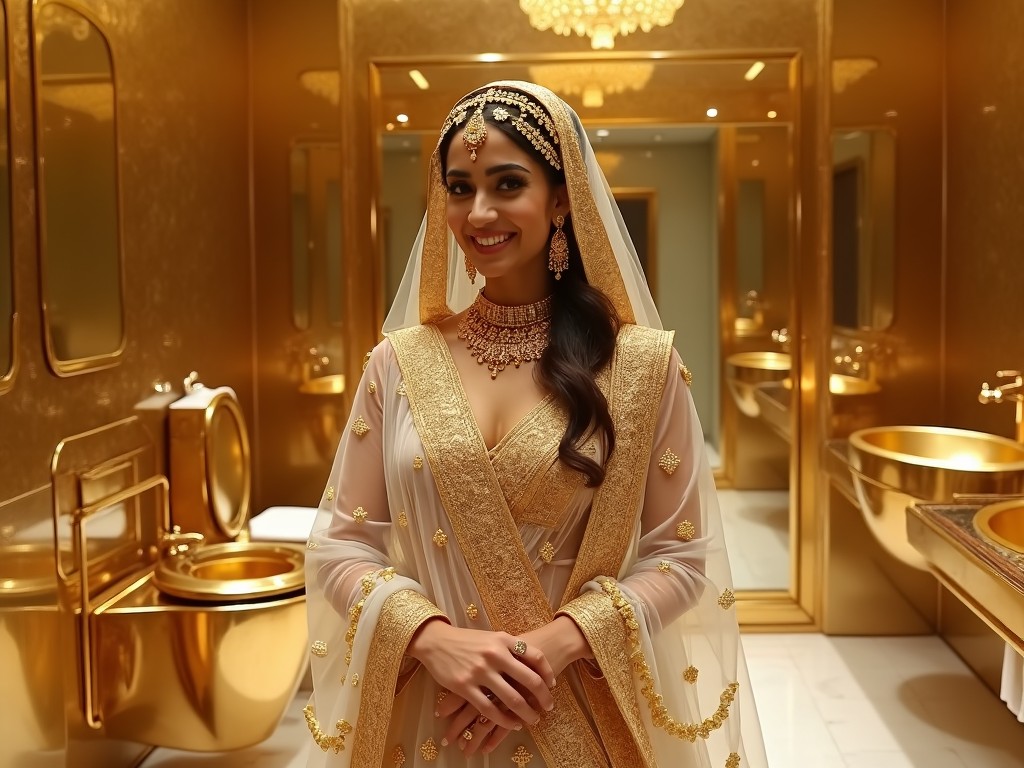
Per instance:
(420,519)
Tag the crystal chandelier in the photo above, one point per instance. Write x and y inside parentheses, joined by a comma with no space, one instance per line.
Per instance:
(600,20)
(593,80)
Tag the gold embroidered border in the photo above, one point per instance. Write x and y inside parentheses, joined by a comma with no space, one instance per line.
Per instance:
(400,616)
(598,257)
(483,526)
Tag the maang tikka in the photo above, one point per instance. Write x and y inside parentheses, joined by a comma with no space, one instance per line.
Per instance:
(558,254)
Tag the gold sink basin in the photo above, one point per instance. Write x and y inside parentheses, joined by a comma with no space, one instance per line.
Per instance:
(27,571)
(1002,523)
(232,571)
(746,370)
(324,385)
(897,467)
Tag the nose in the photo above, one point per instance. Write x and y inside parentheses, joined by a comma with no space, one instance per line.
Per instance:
(482,211)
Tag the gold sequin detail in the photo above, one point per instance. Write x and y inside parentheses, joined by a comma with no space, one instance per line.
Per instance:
(440,538)
(664,566)
(403,520)
(417,462)
(726,599)
(428,750)
(401,388)
(472,611)
(372,387)
(360,427)
(330,493)
(547,552)
(521,758)
(355,681)
(685,531)
(655,702)
(668,461)
(733,761)
(366,359)
(325,742)
(685,373)
(398,756)
(441,694)
(388,573)
(311,545)
(690,674)
(319,649)
(359,514)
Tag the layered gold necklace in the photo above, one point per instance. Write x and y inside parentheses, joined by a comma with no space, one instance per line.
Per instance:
(498,335)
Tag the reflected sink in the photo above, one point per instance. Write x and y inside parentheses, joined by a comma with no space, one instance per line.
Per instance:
(232,571)
(324,385)
(746,370)
(897,467)
(1003,524)
(27,571)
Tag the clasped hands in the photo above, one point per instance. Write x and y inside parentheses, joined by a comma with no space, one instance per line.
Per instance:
(491,690)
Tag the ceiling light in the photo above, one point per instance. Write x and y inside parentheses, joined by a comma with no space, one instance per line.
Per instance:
(772,114)
(419,79)
(755,70)
(402,118)
(600,20)
(603,133)
(712,112)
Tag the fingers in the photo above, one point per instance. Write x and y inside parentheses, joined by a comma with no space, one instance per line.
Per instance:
(481,730)
(489,708)
(530,681)
(447,703)
(461,721)
(492,740)
(538,662)
(515,701)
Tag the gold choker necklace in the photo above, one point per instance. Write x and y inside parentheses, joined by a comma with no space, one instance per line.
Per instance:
(499,335)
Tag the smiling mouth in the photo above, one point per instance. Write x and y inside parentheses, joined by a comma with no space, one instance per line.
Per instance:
(487,242)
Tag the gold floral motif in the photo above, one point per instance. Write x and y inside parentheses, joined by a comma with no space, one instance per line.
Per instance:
(685,373)
(441,694)
(311,545)
(401,388)
(417,462)
(472,611)
(330,493)
(398,756)
(366,359)
(521,758)
(359,514)
(360,427)
(368,582)
(669,462)
(727,599)
(355,681)
(655,702)
(733,761)
(372,387)
(403,520)
(547,552)
(685,531)
(664,566)
(388,573)
(319,649)
(440,538)
(428,750)
(325,742)
(690,674)
(353,625)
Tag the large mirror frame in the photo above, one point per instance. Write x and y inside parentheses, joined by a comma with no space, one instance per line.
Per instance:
(8,301)
(792,607)
(111,354)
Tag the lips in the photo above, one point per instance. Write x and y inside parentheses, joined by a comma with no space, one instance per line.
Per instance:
(490,241)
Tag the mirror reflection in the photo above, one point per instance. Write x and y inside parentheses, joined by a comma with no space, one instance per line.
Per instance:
(708,200)
(863,227)
(7,339)
(78,188)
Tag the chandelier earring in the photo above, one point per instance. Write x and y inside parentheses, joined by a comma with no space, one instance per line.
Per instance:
(471,271)
(558,254)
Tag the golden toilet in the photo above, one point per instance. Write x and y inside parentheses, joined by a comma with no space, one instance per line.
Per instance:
(192,637)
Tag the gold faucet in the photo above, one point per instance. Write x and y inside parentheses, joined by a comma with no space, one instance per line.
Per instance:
(174,542)
(1012,391)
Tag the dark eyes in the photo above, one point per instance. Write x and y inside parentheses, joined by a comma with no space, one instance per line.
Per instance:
(504,184)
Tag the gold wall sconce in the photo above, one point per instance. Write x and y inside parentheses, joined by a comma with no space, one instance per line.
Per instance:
(600,20)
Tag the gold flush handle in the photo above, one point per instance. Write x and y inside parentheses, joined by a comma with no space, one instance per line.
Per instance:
(174,542)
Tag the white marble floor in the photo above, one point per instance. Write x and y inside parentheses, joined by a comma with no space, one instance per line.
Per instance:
(824,702)
(757,536)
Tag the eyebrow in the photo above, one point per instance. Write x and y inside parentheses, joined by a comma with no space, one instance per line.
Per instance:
(490,171)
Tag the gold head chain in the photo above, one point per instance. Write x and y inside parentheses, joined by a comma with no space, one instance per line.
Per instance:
(471,112)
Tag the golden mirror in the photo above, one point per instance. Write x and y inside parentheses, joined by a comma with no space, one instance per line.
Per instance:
(710,167)
(8,316)
(79,211)
(863,227)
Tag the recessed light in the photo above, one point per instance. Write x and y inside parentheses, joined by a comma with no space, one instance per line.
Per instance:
(772,114)
(755,69)
(402,118)
(712,112)
(419,79)
(603,133)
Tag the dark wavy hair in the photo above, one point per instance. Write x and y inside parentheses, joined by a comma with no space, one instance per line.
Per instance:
(584,325)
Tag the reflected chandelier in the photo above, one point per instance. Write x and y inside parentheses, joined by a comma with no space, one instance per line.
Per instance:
(600,20)
(594,79)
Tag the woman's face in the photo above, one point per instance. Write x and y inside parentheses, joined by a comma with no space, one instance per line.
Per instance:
(502,206)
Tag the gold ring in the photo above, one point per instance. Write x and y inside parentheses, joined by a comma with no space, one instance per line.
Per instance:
(467,735)
(482,720)
(519,648)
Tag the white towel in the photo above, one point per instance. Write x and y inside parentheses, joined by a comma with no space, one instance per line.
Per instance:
(1012,689)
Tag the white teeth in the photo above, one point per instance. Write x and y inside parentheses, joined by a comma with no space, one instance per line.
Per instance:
(487,241)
